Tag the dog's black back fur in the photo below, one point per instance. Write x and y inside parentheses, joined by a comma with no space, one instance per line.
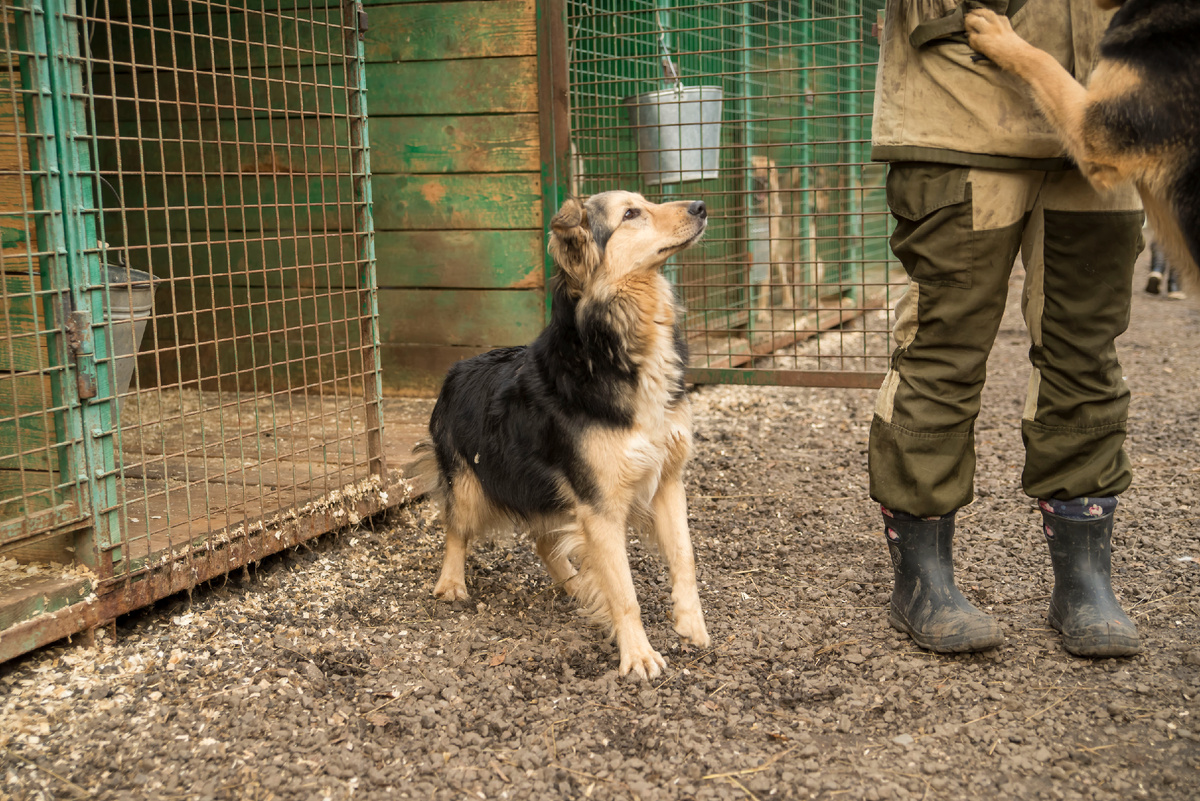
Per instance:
(536,400)
(1161,39)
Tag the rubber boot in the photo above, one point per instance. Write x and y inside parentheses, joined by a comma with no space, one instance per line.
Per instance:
(1082,606)
(926,604)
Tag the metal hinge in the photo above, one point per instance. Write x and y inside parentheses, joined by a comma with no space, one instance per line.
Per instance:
(79,340)
(360,14)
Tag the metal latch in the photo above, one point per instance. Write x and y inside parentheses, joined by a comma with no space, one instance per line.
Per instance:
(79,340)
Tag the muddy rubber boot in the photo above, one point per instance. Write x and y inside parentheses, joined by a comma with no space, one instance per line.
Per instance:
(1082,607)
(926,604)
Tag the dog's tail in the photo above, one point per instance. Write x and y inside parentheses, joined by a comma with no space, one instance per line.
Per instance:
(422,472)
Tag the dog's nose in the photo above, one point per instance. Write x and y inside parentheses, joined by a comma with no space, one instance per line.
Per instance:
(698,209)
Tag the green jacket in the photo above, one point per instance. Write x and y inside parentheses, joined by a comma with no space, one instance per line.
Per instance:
(934,103)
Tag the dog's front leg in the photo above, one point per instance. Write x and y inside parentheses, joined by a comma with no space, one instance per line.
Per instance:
(1059,96)
(605,558)
(675,544)
(452,584)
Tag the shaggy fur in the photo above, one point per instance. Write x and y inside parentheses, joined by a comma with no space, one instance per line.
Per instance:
(588,428)
(1137,120)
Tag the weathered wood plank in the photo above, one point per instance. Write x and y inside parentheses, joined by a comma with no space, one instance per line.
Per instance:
(486,201)
(418,370)
(269,201)
(438,31)
(241,93)
(18,232)
(491,143)
(418,32)
(40,595)
(142,8)
(215,310)
(256,146)
(18,236)
(23,325)
(465,86)
(254,338)
(264,362)
(262,258)
(223,40)
(460,259)
(26,427)
(484,318)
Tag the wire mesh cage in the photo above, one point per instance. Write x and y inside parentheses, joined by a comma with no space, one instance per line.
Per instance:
(227,167)
(762,109)
(189,290)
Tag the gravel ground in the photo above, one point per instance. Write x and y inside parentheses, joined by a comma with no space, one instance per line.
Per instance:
(331,673)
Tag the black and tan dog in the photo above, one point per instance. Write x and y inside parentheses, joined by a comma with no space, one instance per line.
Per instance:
(1137,120)
(587,429)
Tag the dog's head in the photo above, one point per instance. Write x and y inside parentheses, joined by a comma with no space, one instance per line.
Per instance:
(620,233)
(1109,4)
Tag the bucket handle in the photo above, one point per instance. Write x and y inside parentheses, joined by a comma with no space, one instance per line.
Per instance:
(670,71)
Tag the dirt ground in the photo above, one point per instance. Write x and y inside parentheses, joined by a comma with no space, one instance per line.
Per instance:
(331,673)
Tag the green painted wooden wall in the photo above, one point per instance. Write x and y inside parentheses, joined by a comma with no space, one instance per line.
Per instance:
(453,103)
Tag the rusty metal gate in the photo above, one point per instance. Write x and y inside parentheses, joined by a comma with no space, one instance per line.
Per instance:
(188,366)
(763,110)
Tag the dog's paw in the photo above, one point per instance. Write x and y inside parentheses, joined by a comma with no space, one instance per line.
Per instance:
(645,663)
(992,35)
(449,590)
(690,628)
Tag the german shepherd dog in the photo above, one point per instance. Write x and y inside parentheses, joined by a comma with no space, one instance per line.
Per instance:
(1139,117)
(587,429)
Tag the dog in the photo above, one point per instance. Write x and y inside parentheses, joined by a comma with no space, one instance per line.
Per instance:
(1136,120)
(793,255)
(768,202)
(586,430)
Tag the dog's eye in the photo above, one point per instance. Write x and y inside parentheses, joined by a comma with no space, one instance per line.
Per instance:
(631,213)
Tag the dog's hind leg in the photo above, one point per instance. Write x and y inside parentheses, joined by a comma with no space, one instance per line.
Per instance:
(557,564)
(606,565)
(466,514)
(675,545)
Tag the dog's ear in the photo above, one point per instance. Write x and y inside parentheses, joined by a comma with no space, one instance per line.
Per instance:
(572,246)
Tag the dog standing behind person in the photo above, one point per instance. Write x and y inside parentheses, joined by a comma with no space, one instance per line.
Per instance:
(585,430)
(1139,117)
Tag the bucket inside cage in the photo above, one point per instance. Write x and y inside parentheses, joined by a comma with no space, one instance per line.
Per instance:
(678,133)
(129,304)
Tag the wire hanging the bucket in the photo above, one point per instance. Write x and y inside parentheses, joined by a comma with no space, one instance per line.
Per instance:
(670,71)
(678,129)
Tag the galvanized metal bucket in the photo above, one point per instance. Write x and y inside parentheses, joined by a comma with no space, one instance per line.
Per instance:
(678,133)
(129,305)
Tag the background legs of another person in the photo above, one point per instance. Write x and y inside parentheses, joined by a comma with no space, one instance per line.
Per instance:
(1162,272)
(1174,290)
(1158,268)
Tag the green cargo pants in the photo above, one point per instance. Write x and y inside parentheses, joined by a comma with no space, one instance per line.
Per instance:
(959,230)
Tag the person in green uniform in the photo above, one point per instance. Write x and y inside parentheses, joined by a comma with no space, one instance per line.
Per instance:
(977,177)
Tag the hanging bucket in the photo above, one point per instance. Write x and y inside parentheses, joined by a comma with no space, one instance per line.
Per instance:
(129,305)
(678,133)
